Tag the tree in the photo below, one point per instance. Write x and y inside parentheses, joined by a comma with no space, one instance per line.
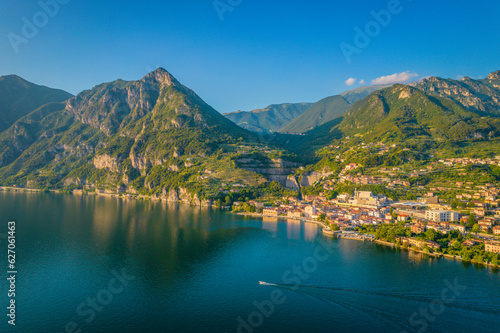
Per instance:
(457,245)
(228,201)
(494,260)
(475,228)
(321,217)
(431,234)
(381,232)
(219,203)
(478,259)
(471,220)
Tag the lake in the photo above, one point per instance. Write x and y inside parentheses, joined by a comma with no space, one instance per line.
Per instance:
(99,264)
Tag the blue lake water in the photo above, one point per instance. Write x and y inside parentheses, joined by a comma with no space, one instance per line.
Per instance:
(96,264)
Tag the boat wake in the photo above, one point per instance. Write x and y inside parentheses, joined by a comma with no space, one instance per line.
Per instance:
(267,284)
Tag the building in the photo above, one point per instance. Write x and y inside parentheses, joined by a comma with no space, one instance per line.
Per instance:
(417,228)
(295,213)
(273,211)
(458,227)
(411,241)
(367,199)
(496,230)
(441,215)
(492,246)
(480,211)
(403,218)
(351,166)
(256,204)
(311,210)
(484,226)
(433,245)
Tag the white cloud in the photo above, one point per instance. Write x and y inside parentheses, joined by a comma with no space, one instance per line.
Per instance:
(362,82)
(403,77)
(350,81)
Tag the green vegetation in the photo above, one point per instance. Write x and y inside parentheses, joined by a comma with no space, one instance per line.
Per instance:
(318,114)
(19,97)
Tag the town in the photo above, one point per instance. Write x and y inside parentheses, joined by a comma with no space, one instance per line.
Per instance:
(465,225)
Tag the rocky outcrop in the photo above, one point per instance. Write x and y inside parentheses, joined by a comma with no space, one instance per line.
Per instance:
(309,178)
(476,95)
(107,162)
(272,169)
(182,195)
(494,76)
(74,181)
(292,184)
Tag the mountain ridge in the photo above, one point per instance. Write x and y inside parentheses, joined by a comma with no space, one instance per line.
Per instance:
(319,113)
(18,97)
(270,119)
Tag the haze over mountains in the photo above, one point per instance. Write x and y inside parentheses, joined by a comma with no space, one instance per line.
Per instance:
(270,119)
(155,135)
(299,117)
(321,112)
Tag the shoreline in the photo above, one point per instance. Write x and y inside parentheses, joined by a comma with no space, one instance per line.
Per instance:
(258,215)
(377,241)
(124,196)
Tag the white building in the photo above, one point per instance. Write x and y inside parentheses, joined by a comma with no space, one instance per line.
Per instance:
(441,215)
(311,211)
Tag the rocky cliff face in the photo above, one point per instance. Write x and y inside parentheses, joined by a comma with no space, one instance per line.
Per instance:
(111,107)
(182,195)
(123,127)
(481,96)
(277,170)
(107,162)
(309,178)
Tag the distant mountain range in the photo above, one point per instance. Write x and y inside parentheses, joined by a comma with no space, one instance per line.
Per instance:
(19,97)
(270,119)
(352,96)
(156,136)
(299,117)
(319,113)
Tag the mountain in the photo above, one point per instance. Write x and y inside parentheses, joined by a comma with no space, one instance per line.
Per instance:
(480,96)
(271,119)
(403,116)
(319,113)
(402,113)
(19,97)
(152,134)
(352,96)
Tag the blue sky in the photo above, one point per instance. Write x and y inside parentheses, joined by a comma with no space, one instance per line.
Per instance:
(262,52)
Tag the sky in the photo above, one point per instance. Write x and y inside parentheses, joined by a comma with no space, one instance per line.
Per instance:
(247,54)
